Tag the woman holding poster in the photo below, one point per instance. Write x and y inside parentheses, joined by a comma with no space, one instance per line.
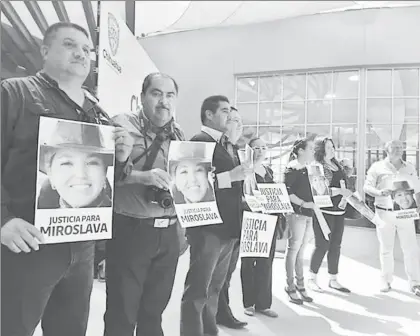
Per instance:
(296,180)
(334,216)
(256,273)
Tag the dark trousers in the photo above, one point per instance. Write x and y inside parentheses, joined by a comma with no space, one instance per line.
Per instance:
(53,284)
(323,246)
(209,263)
(141,262)
(224,313)
(256,278)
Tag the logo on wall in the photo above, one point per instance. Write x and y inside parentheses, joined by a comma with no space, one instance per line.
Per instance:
(113,33)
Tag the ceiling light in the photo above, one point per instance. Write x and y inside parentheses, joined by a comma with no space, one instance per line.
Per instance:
(354,78)
(329,96)
(251,82)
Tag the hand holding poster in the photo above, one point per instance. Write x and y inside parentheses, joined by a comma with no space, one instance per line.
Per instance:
(403,200)
(276,198)
(74,181)
(319,186)
(190,167)
(257,234)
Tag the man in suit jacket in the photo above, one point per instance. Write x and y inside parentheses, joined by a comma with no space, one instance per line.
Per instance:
(211,246)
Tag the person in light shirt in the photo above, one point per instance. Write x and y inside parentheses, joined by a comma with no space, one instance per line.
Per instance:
(378,184)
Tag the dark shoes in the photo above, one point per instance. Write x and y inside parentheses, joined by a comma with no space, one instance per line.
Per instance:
(232,323)
(293,297)
(334,284)
(304,295)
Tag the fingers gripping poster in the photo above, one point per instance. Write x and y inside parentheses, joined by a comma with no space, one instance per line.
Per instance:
(74,194)
(319,186)
(257,234)
(191,170)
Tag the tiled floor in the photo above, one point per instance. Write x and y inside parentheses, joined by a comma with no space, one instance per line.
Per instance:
(364,312)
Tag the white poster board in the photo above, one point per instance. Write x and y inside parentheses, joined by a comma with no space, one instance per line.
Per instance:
(275,198)
(75,179)
(403,198)
(257,234)
(190,167)
(122,63)
(319,186)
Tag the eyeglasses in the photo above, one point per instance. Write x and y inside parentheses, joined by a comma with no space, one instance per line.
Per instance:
(260,148)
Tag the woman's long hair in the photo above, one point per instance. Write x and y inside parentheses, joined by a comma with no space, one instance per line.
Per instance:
(320,143)
(298,144)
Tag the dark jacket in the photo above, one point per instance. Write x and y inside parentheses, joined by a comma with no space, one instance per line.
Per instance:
(23,102)
(229,201)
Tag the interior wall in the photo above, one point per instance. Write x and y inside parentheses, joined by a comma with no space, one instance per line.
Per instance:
(204,62)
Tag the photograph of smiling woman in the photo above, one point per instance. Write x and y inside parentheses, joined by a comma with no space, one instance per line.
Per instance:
(75,162)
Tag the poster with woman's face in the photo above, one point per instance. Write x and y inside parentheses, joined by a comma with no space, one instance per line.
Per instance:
(74,180)
(191,171)
(319,186)
(404,200)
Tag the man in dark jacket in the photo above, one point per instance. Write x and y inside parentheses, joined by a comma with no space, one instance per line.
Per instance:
(211,245)
(49,282)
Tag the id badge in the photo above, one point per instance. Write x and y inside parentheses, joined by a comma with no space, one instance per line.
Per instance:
(161,222)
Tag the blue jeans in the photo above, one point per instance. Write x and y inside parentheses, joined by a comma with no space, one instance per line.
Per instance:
(300,232)
(53,284)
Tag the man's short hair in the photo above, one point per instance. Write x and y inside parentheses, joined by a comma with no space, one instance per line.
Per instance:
(52,30)
(212,104)
(391,142)
(148,81)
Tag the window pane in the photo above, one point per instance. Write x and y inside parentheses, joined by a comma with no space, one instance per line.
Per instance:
(248,133)
(379,111)
(271,135)
(346,84)
(318,130)
(293,113)
(406,111)
(294,87)
(406,83)
(345,111)
(270,113)
(319,86)
(378,135)
(379,83)
(248,113)
(345,137)
(409,134)
(270,88)
(413,157)
(319,111)
(247,89)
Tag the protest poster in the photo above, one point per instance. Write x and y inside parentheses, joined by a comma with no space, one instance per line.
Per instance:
(355,200)
(254,203)
(190,167)
(275,198)
(257,234)
(322,223)
(403,200)
(75,179)
(319,186)
(122,62)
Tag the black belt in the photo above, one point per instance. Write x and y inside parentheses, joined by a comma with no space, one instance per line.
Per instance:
(384,209)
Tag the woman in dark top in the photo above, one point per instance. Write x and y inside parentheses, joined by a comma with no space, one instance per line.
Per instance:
(334,173)
(300,223)
(256,273)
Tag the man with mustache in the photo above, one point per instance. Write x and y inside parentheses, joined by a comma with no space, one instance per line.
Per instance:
(47,283)
(142,258)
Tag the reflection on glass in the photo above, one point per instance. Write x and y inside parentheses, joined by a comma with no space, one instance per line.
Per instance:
(294,87)
(320,86)
(346,84)
(318,131)
(378,111)
(379,83)
(412,157)
(406,83)
(271,135)
(293,113)
(270,113)
(345,137)
(248,133)
(248,113)
(345,111)
(319,111)
(406,110)
(247,89)
(409,134)
(378,135)
(270,88)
